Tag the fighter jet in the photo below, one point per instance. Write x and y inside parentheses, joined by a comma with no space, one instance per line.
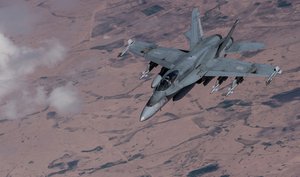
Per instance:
(206,59)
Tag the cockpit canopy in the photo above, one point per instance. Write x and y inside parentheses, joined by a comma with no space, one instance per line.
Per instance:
(167,80)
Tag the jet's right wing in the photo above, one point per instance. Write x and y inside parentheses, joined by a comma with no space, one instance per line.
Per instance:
(195,33)
(235,68)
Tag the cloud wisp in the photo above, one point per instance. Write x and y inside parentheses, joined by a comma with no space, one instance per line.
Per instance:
(16,62)
(17,99)
(65,100)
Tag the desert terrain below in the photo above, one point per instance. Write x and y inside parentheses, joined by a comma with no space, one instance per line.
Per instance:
(253,133)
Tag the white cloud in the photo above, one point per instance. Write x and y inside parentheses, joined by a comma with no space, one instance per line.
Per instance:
(24,102)
(19,61)
(16,62)
(10,110)
(65,100)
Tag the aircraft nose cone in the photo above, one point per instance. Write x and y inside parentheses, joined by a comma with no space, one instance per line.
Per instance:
(147,113)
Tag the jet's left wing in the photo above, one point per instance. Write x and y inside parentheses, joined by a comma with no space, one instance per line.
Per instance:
(235,68)
(166,57)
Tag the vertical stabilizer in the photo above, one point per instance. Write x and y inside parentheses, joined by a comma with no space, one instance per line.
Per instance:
(195,33)
(227,39)
(232,29)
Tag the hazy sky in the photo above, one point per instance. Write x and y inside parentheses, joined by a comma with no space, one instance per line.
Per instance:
(17,17)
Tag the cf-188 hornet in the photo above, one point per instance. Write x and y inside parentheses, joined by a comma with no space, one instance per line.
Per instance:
(183,69)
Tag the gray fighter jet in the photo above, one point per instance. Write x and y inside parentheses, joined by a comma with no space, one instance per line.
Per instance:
(183,69)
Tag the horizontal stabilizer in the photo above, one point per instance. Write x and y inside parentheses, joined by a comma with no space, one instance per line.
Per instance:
(240,47)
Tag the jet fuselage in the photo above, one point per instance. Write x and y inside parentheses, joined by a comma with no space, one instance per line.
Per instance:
(206,59)
(186,72)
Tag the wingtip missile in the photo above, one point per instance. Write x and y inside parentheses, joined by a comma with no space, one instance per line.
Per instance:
(277,70)
(129,43)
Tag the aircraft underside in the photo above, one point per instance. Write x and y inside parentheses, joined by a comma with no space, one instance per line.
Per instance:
(205,61)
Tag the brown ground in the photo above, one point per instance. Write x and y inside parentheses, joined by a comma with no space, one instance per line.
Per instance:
(255,132)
